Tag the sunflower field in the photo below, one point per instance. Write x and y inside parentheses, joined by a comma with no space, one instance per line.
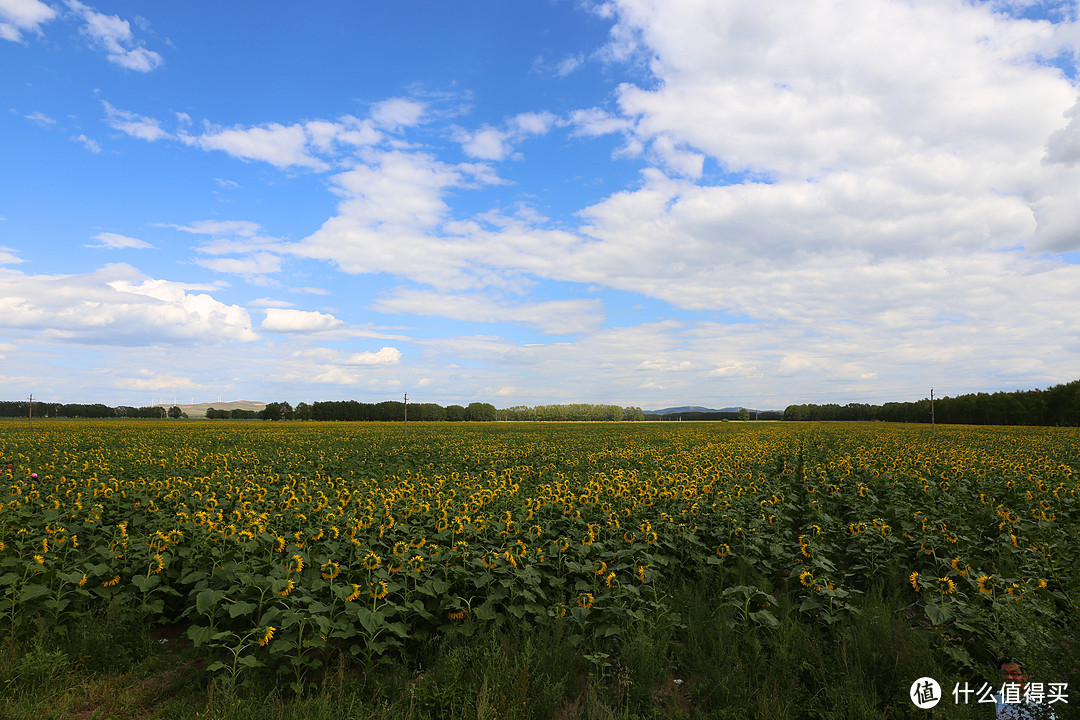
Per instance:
(277,546)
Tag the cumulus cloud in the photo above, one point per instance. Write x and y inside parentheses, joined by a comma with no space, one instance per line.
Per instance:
(397,113)
(490,143)
(117,306)
(284,146)
(281,320)
(113,35)
(19,16)
(383,356)
(274,143)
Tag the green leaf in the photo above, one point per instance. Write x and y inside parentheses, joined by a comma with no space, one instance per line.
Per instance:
(485,611)
(206,599)
(240,608)
(31,592)
(199,635)
(938,613)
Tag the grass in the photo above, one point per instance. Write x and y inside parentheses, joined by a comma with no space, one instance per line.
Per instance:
(699,661)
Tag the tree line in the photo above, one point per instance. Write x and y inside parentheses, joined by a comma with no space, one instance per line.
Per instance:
(351,410)
(1057,405)
(22,408)
(571,412)
(393,410)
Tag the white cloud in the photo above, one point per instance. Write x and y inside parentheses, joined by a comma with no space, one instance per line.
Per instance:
(487,143)
(148,380)
(279,145)
(551,316)
(242,228)
(113,241)
(113,35)
(389,205)
(41,118)
(490,143)
(259,263)
(117,306)
(285,146)
(133,124)
(269,303)
(18,16)
(397,113)
(665,365)
(8,256)
(298,321)
(594,122)
(384,356)
(89,144)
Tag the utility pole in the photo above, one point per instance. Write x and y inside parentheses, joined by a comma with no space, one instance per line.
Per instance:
(30,416)
(933,428)
(406,414)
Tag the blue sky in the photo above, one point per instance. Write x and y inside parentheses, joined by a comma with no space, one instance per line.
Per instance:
(637,202)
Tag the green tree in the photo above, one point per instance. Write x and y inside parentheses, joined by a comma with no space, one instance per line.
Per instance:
(744,414)
(175,413)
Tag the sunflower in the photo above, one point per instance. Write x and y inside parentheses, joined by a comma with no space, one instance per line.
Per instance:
(334,570)
(268,636)
(459,615)
(159,564)
(602,569)
(983,579)
(641,574)
(372,561)
(806,578)
(610,579)
(723,551)
(288,589)
(585,600)
(355,593)
(111,583)
(400,548)
(378,590)
(914,580)
(298,567)
(946,585)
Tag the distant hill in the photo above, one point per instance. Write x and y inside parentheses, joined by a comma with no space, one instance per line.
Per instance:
(198,410)
(691,408)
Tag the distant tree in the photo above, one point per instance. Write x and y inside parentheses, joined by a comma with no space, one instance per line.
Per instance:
(744,414)
(455,413)
(479,411)
(175,412)
(302,411)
